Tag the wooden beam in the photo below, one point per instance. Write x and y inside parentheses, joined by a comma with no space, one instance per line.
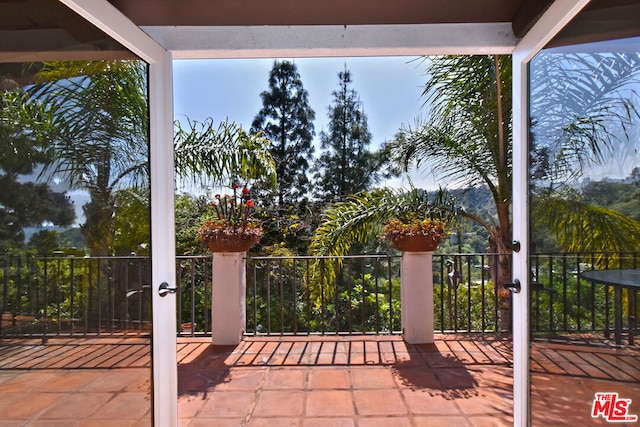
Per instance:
(314,12)
(527,15)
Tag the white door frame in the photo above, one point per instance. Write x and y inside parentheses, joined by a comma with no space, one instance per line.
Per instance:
(164,362)
(111,21)
(559,14)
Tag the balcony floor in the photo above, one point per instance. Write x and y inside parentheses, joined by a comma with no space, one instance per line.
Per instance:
(312,381)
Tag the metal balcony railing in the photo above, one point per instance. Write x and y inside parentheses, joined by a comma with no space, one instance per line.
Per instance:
(45,296)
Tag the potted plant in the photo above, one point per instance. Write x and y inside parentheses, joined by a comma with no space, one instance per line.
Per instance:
(229,226)
(415,234)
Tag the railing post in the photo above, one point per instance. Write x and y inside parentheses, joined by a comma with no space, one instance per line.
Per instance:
(228,300)
(416,294)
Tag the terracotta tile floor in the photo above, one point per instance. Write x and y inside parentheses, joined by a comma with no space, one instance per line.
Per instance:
(311,381)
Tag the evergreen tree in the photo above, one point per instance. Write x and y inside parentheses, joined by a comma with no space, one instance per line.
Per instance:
(286,118)
(346,166)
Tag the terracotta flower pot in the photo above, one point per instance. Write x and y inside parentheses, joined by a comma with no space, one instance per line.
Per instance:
(240,242)
(416,243)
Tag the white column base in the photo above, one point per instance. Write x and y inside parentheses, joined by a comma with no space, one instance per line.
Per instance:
(228,298)
(416,294)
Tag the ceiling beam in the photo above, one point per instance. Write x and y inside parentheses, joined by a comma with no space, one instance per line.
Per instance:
(527,15)
(313,12)
(319,40)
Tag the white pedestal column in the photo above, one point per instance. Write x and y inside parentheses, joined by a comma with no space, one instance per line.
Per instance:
(228,301)
(416,293)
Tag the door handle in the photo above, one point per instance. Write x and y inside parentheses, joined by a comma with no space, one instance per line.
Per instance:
(514,287)
(164,289)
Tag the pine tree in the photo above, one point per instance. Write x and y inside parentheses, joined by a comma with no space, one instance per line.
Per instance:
(346,166)
(286,118)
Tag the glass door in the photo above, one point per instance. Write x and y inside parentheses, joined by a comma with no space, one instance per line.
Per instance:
(584,226)
(75,240)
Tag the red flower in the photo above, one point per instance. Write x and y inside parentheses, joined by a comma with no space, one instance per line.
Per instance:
(235,185)
(245,191)
(250,204)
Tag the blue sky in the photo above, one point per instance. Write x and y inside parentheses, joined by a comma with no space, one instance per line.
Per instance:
(389,88)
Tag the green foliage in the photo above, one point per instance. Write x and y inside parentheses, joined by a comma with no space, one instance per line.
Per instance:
(190,212)
(132,222)
(581,228)
(24,150)
(361,218)
(367,298)
(363,215)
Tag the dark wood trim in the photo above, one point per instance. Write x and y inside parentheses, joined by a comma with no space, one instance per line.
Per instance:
(313,12)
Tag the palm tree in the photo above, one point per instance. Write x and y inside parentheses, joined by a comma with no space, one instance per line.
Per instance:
(93,117)
(467,136)
(466,139)
(583,108)
(97,126)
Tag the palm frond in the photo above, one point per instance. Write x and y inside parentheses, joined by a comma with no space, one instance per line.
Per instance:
(362,217)
(225,152)
(582,106)
(583,228)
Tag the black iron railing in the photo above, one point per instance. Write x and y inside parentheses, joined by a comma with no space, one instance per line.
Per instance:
(61,295)
(43,296)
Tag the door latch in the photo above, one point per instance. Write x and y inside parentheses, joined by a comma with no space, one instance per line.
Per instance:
(164,289)
(514,287)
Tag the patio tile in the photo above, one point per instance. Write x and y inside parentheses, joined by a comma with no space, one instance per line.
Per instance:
(486,403)
(328,422)
(276,403)
(416,378)
(197,382)
(242,379)
(386,422)
(271,422)
(228,404)
(328,402)
(286,378)
(109,423)
(125,406)
(189,406)
(381,402)
(372,377)
(425,385)
(120,380)
(459,379)
(76,405)
(217,422)
(24,407)
(329,378)
(422,402)
(443,421)
(27,381)
(69,381)
(491,421)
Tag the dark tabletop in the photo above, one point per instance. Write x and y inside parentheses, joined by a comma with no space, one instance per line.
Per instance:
(624,277)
